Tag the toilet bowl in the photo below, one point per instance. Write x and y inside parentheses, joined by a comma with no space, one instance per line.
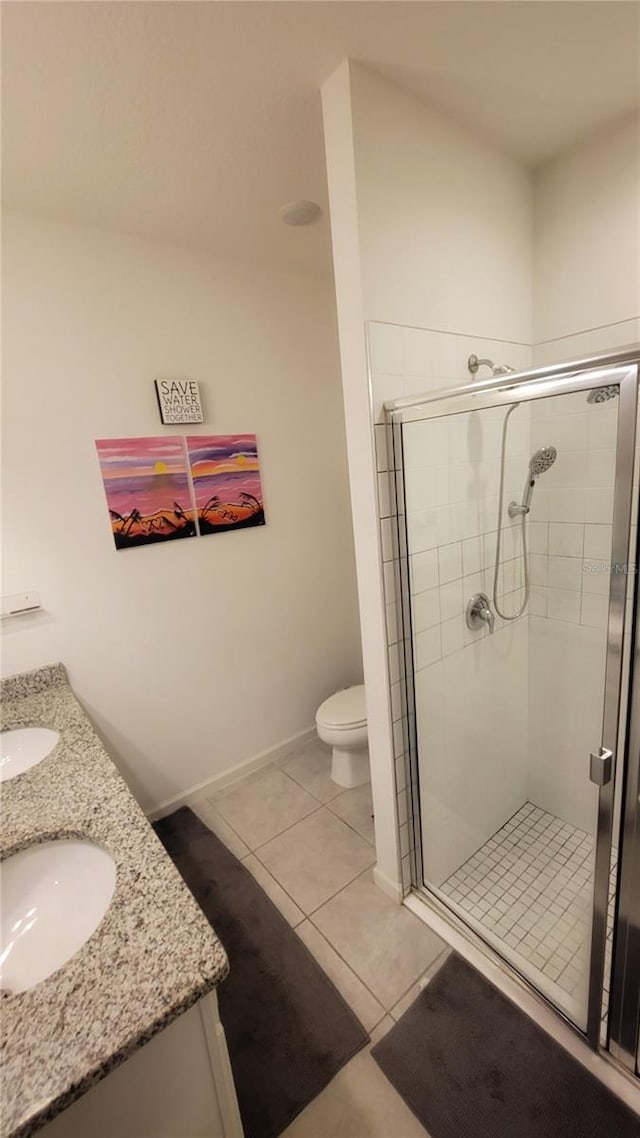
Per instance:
(341,721)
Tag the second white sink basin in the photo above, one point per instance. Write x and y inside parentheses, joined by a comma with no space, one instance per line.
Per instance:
(54,896)
(23,748)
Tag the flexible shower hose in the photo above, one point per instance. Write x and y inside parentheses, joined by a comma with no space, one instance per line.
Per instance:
(523,531)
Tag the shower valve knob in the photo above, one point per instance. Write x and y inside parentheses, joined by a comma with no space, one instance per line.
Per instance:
(479,612)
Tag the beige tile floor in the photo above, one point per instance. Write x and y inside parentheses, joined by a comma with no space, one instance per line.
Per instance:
(310,846)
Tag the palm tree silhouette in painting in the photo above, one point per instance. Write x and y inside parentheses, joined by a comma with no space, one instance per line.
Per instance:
(163,525)
(186,522)
(134,516)
(212,504)
(250,499)
(217,516)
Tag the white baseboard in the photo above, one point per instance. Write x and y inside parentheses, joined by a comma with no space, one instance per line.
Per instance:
(277,754)
(393,889)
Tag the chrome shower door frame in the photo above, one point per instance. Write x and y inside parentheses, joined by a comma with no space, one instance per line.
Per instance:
(624,1007)
(619,370)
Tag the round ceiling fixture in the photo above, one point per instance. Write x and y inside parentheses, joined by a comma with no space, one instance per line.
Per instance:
(300,213)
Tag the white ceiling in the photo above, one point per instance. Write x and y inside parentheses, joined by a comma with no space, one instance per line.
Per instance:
(194,122)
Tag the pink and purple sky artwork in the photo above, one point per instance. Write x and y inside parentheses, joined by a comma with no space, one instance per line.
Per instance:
(224,466)
(144,474)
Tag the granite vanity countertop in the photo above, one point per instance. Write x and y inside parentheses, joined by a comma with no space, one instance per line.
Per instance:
(153,955)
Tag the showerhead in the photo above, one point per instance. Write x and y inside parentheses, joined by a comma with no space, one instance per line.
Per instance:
(542,460)
(602,394)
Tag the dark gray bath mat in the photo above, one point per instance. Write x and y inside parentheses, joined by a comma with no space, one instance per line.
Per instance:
(472,1065)
(289,1031)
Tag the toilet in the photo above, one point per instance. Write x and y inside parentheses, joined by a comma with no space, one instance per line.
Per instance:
(341,721)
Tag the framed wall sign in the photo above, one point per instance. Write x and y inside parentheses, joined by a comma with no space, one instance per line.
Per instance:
(179,401)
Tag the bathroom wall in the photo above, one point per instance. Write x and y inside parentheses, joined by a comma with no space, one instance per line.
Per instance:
(586,266)
(432,230)
(444,218)
(192,657)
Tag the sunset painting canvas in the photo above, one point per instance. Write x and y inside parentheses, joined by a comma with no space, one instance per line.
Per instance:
(226,482)
(148,490)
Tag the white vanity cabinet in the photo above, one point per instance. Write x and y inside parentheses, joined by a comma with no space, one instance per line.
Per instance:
(178,1085)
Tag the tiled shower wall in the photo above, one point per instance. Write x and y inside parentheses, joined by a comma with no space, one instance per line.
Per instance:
(471,711)
(570,544)
(570,540)
(451,526)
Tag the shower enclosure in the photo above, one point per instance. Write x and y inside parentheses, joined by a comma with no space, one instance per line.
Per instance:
(516,510)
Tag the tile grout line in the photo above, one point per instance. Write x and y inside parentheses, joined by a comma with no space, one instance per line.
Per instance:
(431,970)
(255,853)
(281,887)
(286,829)
(386,1011)
(209,802)
(350,824)
(348,966)
(266,843)
(338,953)
(322,801)
(308,917)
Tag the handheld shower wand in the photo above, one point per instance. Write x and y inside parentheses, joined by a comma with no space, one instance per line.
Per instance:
(538,464)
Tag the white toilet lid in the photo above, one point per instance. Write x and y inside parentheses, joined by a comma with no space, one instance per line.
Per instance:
(347,708)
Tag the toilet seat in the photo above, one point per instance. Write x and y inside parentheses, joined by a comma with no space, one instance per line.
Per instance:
(345,710)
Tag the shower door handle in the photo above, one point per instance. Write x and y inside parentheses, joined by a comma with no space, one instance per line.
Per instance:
(600,766)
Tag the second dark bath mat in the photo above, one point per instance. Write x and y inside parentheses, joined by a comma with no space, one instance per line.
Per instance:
(470,1064)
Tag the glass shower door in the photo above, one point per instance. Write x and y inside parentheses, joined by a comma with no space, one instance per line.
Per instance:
(516,518)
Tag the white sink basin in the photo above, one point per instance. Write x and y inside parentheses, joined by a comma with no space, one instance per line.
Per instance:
(23,748)
(54,896)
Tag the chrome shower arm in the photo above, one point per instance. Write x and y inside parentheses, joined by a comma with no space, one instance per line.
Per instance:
(473,363)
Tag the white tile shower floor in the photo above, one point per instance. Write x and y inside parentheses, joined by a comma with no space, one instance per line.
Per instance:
(531,887)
